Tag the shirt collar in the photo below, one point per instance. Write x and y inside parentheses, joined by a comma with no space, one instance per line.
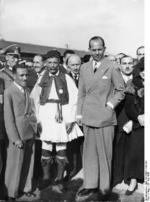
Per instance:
(96,63)
(19,87)
(126,78)
(75,75)
(54,74)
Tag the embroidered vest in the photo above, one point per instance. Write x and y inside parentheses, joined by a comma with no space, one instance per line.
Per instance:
(61,87)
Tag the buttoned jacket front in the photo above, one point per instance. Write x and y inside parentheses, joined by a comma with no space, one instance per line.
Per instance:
(96,90)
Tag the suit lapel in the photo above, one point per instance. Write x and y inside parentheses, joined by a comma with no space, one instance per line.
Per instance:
(94,77)
(24,96)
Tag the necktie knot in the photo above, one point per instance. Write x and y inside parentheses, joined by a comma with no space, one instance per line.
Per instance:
(95,67)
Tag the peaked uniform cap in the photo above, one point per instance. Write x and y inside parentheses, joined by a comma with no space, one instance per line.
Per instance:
(13,50)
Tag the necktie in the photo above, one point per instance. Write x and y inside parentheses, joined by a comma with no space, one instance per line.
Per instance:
(26,100)
(75,77)
(95,67)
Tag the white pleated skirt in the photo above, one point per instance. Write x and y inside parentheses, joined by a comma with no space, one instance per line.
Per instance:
(53,131)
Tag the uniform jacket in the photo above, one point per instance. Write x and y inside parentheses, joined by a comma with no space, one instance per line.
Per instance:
(7,76)
(20,121)
(96,89)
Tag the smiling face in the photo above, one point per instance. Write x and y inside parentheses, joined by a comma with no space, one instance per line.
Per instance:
(97,49)
(127,65)
(52,65)
(38,63)
(11,60)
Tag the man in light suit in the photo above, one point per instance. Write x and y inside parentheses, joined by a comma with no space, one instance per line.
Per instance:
(20,123)
(101,89)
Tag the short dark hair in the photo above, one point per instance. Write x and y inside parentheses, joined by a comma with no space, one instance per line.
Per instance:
(53,54)
(68,51)
(19,66)
(96,38)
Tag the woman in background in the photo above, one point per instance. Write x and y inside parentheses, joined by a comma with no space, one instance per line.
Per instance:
(134,107)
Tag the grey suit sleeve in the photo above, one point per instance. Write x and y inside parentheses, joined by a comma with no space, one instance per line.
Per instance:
(9,118)
(119,87)
(81,93)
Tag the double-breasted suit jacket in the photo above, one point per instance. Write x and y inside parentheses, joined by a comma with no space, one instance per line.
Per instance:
(96,90)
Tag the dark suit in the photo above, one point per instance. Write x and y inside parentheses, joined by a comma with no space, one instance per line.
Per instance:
(76,79)
(134,161)
(75,147)
(95,91)
(119,144)
(20,123)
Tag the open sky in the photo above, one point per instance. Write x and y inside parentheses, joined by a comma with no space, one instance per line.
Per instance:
(73,22)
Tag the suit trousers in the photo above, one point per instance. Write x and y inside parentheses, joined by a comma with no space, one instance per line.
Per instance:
(19,168)
(97,157)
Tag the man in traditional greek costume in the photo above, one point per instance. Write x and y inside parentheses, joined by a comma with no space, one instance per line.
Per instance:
(55,98)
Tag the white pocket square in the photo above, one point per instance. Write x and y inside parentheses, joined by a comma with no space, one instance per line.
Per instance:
(104,77)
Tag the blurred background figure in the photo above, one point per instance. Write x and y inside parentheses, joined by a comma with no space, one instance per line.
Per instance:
(74,148)
(119,144)
(86,58)
(134,107)
(66,55)
(74,64)
(111,58)
(38,65)
(140,53)
(12,55)
(119,56)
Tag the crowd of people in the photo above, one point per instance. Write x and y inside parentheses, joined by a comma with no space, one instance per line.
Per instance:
(62,113)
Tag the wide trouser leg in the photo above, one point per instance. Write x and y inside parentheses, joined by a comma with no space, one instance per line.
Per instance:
(97,157)
(13,169)
(104,149)
(90,159)
(27,168)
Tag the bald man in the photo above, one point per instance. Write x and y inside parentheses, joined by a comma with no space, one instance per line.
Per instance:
(74,148)
(74,64)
